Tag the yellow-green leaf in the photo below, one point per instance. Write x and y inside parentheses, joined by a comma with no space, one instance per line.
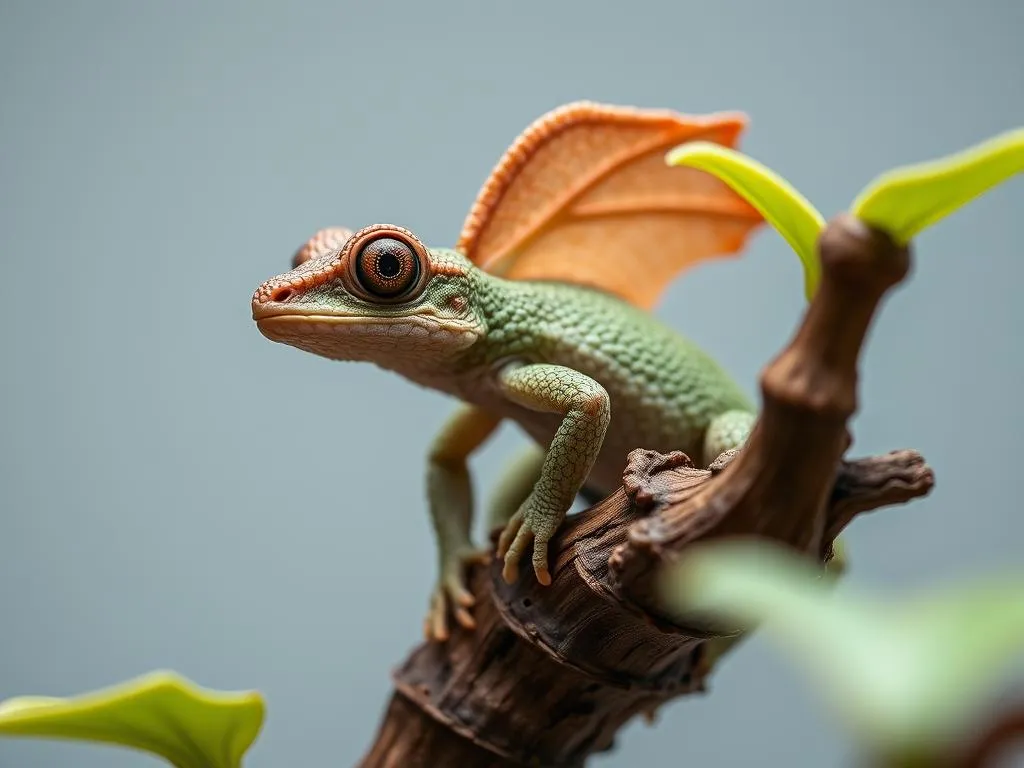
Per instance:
(782,206)
(161,712)
(906,200)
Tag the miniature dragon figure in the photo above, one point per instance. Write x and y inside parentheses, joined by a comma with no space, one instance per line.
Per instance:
(541,315)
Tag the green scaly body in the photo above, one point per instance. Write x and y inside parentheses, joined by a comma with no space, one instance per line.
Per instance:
(586,375)
(664,391)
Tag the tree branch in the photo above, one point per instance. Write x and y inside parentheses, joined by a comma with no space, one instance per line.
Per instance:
(552,673)
(997,740)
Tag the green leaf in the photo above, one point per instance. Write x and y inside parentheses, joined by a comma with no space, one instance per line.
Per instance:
(161,712)
(906,200)
(789,212)
(906,676)
(985,621)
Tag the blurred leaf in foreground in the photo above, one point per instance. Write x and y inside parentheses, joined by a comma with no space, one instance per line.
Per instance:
(906,675)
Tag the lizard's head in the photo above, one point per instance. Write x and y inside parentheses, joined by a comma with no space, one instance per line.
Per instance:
(378,295)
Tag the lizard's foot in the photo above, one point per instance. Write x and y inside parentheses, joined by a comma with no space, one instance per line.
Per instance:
(451,592)
(534,522)
(727,432)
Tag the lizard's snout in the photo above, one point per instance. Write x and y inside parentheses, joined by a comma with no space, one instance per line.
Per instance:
(269,297)
(281,294)
(315,263)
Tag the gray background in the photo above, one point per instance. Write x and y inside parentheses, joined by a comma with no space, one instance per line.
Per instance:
(179,492)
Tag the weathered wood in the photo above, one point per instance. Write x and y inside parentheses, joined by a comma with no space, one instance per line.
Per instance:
(552,673)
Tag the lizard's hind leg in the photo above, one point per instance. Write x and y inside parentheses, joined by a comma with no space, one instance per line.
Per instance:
(727,431)
(450,497)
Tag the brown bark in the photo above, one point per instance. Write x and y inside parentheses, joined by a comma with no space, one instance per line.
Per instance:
(552,673)
(1002,737)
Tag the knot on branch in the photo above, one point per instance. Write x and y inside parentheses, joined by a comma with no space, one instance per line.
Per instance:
(650,480)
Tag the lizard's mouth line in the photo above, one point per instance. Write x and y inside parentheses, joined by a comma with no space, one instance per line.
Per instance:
(317,331)
(283,325)
(291,326)
(302,317)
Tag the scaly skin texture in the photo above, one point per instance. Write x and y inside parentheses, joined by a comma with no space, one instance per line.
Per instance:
(586,375)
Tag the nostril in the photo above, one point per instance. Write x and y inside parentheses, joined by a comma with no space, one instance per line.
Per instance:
(282,294)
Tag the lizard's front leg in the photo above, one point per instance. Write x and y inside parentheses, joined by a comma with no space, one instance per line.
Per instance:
(450,497)
(586,411)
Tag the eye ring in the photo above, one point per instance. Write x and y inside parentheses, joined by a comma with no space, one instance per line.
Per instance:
(386,264)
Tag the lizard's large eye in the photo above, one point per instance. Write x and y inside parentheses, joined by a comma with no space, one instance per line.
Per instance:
(387,267)
(385,264)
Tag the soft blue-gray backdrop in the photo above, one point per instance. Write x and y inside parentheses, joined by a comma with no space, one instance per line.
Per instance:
(179,492)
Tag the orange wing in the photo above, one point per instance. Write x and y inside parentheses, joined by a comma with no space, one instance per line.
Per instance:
(584,196)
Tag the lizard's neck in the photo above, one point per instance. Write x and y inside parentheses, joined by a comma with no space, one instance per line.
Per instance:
(505,313)
(450,379)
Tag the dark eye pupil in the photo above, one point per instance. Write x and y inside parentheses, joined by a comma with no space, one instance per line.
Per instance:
(388,265)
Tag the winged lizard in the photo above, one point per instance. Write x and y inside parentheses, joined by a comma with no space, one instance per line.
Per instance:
(540,314)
